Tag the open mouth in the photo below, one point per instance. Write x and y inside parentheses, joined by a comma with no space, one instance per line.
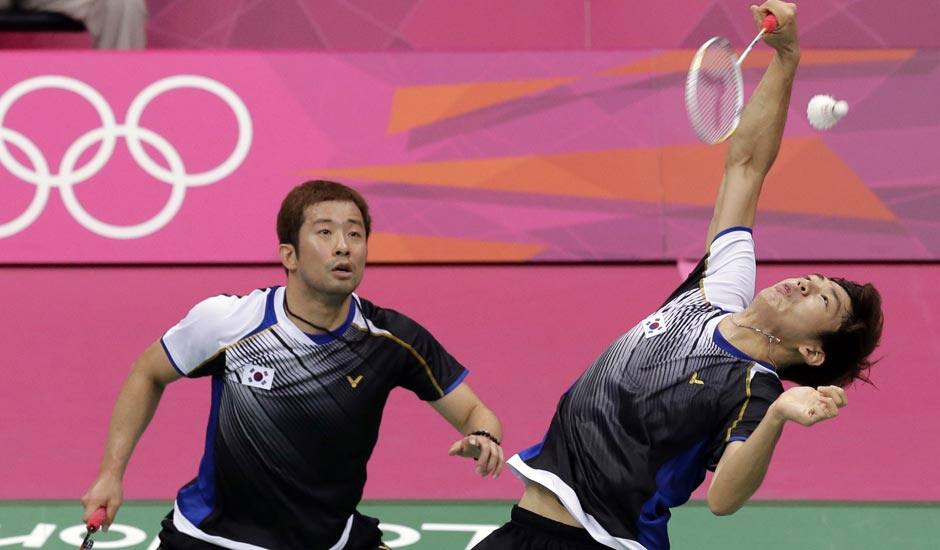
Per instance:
(342,268)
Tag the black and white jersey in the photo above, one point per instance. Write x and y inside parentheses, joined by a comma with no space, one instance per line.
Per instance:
(636,432)
(294,417)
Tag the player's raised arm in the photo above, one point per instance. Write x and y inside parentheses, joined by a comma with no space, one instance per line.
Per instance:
(754,145)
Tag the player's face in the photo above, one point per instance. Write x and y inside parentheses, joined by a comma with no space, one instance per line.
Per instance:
(806,306)
(331,248)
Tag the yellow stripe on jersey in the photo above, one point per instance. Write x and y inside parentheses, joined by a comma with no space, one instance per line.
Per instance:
(414,352)
(701,280)
(747,392)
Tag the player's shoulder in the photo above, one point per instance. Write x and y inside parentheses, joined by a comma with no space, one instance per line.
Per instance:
(746,377)
(732,248)
(388,319)
(215,323)
(728,262)
(765,382)
(225,306)
(730,235)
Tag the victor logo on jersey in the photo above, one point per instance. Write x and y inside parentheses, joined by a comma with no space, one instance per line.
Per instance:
(654,325)
(257,377)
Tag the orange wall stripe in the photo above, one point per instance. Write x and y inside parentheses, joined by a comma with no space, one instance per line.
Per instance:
(674,61)
(808,177)
(415,106)
(390,247)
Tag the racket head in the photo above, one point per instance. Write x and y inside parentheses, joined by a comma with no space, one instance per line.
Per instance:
(714,91)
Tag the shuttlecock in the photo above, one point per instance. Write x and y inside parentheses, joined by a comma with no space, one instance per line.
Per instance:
(824,111)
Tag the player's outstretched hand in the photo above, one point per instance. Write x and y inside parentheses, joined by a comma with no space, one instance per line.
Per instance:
(488,455)
(106,492)
(808,406)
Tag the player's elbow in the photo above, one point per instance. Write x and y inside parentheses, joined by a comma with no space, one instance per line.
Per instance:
(745,171)
(722,506)
(749,165)
(722,509)
(738,158)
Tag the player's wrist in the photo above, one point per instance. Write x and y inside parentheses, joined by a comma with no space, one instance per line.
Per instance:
(486,434)
(112,473)
(776,414)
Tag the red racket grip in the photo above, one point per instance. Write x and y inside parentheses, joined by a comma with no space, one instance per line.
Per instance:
(96,519)
(770,23)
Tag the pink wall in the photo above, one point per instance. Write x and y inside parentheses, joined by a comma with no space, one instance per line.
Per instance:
(493,25)
(525,332)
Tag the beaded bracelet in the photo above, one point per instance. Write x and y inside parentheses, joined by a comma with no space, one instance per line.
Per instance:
(485,434)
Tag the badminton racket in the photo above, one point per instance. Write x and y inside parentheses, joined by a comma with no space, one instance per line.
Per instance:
(714,88)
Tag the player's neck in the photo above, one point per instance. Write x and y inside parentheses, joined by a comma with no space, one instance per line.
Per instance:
(748,334)
(760,339)
(313,312)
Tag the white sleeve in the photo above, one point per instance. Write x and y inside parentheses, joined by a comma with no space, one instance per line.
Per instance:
(730,270)
(210,326)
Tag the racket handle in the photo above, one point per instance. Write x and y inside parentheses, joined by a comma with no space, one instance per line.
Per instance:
(97,518)
(770,23)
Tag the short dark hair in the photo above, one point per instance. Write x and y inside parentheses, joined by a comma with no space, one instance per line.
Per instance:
(848,350)
(291,215)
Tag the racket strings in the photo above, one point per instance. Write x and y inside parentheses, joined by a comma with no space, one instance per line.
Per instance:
(713,92)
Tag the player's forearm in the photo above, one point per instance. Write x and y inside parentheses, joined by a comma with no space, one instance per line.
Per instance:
(482,418)
(741,474)
(754,146)
(756,142)
(133,411)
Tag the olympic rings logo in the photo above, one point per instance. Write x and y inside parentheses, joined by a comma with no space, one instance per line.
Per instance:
(69,175)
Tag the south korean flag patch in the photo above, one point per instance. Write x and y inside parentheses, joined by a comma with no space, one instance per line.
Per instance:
(654,325)
(257,377)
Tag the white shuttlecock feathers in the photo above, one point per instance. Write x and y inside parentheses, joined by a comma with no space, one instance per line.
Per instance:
(824,111)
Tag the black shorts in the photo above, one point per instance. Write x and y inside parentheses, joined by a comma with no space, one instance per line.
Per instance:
(530,531)
(364,535)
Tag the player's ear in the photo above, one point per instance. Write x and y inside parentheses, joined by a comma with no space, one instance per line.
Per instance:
(813,355)
(288,255)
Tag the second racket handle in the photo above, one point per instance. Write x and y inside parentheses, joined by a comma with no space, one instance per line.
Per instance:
(770,23)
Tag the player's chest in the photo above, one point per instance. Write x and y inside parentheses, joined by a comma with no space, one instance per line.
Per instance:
(341,372)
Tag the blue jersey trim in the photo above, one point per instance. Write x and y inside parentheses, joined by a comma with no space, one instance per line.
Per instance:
(453,385)
(170,357)
(322,339)
(197,499)
(270,314)
(724,344)
(738,438)
(675,481)
(533,451)
(735,228)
